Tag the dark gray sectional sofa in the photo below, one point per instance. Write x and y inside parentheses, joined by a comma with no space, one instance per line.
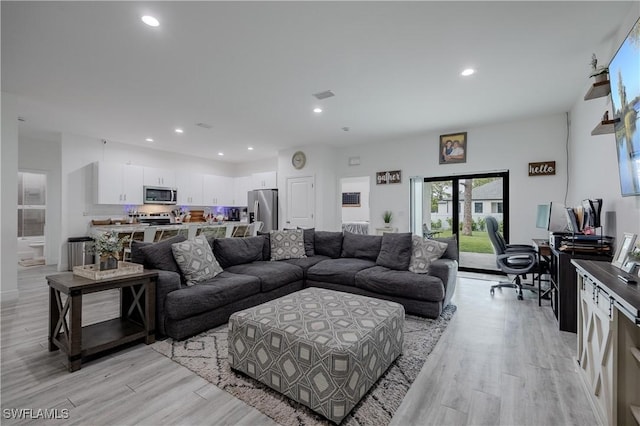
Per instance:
(368,265)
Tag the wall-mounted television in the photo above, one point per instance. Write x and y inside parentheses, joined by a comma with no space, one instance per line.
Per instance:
(625,102)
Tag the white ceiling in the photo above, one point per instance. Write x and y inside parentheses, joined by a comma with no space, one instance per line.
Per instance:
(250,68)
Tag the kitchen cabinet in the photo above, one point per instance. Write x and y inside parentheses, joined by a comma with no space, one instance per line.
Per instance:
(241,186)
(264,180)
(159,177)
(117,183)
(189,187)
(217,190)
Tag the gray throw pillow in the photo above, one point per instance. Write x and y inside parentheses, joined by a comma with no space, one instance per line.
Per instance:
(160,255)
(196,260)
(309,240)
(361,246)
(287,244)
(452,247)
(238,251)
(424,251)
(395,251)
(327,243)
(136,251)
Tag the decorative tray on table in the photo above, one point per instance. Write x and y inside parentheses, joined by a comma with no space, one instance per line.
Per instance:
(93,271)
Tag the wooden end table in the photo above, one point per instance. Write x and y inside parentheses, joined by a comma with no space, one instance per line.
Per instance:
(136,321)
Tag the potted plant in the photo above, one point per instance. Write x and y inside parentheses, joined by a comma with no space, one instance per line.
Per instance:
(108,247)
(387,216)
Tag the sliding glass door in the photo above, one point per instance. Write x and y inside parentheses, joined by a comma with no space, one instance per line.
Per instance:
(458,205)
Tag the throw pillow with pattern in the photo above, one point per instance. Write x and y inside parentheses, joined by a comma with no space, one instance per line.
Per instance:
(287,244)
(423,252)
(196,260)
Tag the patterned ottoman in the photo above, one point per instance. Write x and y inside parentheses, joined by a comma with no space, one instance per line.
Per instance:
(322,348)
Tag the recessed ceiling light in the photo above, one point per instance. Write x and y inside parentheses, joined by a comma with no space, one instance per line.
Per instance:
(150,21)
(467,72)
(149,139)
(221,154)
(317,110)
(179,130)
(250,148)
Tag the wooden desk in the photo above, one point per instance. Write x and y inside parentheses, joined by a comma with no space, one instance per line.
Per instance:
(136,321)
(544,253)
(564,294)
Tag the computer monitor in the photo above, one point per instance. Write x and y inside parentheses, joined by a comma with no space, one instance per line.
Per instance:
(557,218)
(542,216)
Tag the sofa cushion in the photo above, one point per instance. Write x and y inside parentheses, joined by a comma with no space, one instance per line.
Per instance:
(309,241)
(395,251)
(160,255)
(271,274)
(328,243)
(136,251)
(306,262)
(287,244)
(401,283)
(196,260)
(452,247)
(424,251)
(361,246)
(236,251)
(338,271)
(225,288)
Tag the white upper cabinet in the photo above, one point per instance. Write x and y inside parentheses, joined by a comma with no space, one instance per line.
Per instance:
(159,177)
(189,187)
(217,191)
(241,186)
(265,180)
(118,183)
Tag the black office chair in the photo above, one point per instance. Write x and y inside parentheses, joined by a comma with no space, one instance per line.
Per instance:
(516,259)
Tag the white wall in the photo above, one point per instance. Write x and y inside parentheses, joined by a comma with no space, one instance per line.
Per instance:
(361,185)
(321,162)
(43,155)
(504,146)
(9,191)
(593,161)
(259,166)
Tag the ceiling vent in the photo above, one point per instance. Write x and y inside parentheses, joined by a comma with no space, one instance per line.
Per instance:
(204,125)
(324,95)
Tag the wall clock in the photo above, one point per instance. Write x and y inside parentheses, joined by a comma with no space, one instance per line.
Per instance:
(298,160)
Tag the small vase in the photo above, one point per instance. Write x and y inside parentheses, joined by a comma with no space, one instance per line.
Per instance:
(108,262)
(387,225)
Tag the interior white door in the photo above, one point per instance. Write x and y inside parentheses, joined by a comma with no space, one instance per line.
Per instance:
(300,202)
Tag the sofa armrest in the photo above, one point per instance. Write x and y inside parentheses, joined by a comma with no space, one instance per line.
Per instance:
(447,271)
(168,281)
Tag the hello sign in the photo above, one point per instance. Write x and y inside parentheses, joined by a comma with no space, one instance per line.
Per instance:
(544,168)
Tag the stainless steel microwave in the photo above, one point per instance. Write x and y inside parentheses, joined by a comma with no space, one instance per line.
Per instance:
(160,195)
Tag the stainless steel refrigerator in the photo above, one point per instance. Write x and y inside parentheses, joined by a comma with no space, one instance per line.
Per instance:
(262,205)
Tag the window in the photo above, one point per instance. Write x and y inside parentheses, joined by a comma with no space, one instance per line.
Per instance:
(496,207)
(31,204)
(477,207)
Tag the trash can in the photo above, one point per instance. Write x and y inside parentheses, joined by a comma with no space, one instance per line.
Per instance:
(79,251)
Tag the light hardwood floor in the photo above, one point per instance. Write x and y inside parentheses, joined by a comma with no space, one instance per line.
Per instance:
(500,361)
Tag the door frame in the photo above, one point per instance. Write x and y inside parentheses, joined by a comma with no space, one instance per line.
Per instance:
(455,219)
(312,198)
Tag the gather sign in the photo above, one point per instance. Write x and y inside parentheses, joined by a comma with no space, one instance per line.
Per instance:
(543,168)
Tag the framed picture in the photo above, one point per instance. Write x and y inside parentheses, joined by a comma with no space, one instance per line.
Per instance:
(623,250)
(453,148)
